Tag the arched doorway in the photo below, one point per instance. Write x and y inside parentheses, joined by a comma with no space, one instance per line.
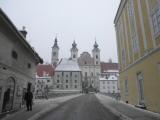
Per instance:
(8,95)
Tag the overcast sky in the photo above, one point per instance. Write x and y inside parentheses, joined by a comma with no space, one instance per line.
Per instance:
(82,20)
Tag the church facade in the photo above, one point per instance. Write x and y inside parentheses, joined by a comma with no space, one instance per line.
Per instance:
(89,65)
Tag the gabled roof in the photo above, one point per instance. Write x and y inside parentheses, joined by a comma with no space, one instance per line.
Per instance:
(108,66)
(43,70)
(5,20)
(67,65)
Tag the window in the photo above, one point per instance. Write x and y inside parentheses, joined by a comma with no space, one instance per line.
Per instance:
(113,87)
(103,82)
(92,74)
(85,74)
(48,81)
(85,62)
(75,86)
(156,20)
(75,81)
(14,55)
(57,86)
(104,87)
(135,43)
(66,81)
(66,75)
(29,65)
(54,53)
(140,86)
(66,86)
(57,81)
(74,56)
(57,75)
(126,87)
(75,75)
(96,56)
(108,82)
(112,82)
(97,62)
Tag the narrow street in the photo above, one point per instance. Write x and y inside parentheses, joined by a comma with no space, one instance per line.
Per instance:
(85,107)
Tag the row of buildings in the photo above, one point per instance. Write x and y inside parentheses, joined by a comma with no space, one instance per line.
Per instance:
(18,62)
(77,73)
(137,25)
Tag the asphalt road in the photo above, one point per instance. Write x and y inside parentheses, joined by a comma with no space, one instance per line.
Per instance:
(85,107)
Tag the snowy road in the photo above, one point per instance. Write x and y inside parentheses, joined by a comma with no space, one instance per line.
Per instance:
(85,107)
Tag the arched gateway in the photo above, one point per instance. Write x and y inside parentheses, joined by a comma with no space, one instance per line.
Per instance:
(8,95)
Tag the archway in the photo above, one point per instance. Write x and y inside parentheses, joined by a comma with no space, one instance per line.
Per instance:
(8,95)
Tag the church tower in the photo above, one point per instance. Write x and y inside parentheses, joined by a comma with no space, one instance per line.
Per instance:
(74,51)
(55,53)
(96,54)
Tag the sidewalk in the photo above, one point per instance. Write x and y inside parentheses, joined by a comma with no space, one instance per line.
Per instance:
(126,111)
(39,108)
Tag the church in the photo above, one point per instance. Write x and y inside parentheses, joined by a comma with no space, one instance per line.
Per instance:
(76,72)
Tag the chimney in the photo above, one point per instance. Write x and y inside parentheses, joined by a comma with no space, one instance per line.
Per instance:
(23,31)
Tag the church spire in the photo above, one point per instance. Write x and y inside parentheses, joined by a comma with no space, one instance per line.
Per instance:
(55,43)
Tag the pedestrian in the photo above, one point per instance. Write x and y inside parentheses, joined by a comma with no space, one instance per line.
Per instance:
(28,99)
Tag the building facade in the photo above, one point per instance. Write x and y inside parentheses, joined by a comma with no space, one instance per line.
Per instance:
(137,25)
(109,84)
(91,68)
(68,77)
(44,80)
(89,65)
(18,63)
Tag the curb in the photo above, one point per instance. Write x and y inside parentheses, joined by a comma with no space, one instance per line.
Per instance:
(122,116)
(47,110)
(43,112)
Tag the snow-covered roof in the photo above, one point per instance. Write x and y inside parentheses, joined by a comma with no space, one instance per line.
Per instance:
(111,77)
(67,65)
(112,71)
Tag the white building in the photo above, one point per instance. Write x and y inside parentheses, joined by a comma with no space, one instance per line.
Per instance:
(109,84)
(68,77)
(44,80)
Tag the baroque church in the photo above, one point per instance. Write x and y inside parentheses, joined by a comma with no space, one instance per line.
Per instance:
(76,72)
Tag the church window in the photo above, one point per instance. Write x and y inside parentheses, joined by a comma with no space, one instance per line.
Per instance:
(54,53)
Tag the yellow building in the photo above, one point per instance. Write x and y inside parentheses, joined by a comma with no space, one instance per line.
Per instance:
(137,25)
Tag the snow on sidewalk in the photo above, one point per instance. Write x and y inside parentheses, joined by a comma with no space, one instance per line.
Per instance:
(127,111)
(39,109)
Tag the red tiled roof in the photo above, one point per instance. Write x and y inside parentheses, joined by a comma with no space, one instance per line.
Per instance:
(108,66)
(48,69)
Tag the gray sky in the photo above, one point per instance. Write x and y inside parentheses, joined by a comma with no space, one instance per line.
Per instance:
(80,19)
